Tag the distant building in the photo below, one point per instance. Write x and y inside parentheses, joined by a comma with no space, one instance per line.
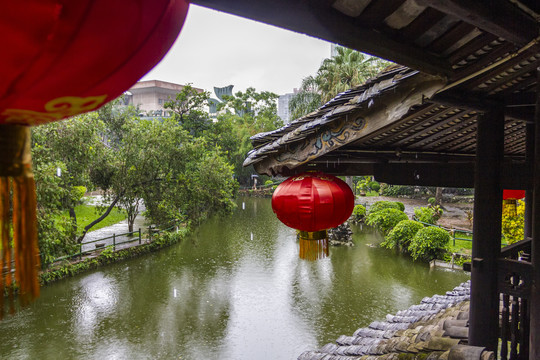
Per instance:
(150,95)
(283,107)
(213,103)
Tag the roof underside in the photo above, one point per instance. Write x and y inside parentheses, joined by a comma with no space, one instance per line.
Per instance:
(463,58)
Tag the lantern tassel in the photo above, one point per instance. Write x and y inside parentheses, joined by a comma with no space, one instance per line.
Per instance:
(18,203)
(313,245)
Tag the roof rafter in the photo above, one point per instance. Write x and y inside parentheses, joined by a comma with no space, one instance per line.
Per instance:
(499,18)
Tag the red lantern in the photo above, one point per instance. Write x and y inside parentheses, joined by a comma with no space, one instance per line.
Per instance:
(510,198)
(61,58)
(313,202)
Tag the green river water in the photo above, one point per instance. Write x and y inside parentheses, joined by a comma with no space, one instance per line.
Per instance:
(236,289)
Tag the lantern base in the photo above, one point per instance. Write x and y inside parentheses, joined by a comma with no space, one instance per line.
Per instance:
(313,235)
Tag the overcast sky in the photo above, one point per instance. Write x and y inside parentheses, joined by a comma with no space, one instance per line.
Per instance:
(218,49)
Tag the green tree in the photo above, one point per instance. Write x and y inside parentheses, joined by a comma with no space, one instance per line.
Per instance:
(348,68)
(188,109)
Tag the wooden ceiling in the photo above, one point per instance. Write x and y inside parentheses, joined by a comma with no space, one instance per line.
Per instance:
(485,54)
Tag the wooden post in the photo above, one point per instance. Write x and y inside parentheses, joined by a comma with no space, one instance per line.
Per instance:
(140,236)
(486,246)
(534,335)
(529,159)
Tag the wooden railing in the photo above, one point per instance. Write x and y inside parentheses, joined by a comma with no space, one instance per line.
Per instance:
(514,282)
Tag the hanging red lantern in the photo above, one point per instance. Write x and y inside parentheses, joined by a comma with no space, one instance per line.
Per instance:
(61,58)
(510,198)
(313,202)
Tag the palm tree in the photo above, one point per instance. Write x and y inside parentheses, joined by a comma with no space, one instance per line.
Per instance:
(348,68)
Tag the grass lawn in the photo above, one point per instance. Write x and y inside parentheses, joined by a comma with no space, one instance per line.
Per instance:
(463,246)
(87,213)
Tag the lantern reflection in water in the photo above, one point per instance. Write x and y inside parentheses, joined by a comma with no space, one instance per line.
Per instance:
(313,202)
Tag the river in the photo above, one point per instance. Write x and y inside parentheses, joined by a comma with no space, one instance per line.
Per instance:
(236,289)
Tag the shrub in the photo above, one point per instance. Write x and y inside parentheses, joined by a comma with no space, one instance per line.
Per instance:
(381,205)
(402,234)
(396,190)
(513,224)
(432,201)
(425,215)
(268,182)
(385,220)
(374,186)
(401,205)
(429,243)
(359,212)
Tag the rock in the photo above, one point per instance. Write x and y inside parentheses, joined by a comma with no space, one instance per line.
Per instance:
(341,235)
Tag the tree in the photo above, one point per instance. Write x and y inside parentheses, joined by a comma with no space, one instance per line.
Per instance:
(73,145)
(348,68)
(188,109)
(243,115)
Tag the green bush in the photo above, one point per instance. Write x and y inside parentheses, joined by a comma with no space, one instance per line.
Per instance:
(402,234)
(381,205)
(431,201)
(401,205)
(385,219)
(268,182)
(396,190)
(429,243)
(359,212)
(425,215)
(374,186)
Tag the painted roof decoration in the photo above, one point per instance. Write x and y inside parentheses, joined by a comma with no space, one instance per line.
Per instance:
(436,328)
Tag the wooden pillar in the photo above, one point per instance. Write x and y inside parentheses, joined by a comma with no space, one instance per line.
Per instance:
(529,159)
(534,337)
(486,246)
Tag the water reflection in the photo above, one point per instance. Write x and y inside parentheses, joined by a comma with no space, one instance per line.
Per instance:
(221,294)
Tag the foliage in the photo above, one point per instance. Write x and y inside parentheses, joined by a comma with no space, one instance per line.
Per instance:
(348,68)
(426,215)
(431,201)
(380,205)
(429,243)
(268,183)
(375,186)
(402,234)
(188,110)
(241,116)
(384,220)
(513,224)
(397,190)
(359,212)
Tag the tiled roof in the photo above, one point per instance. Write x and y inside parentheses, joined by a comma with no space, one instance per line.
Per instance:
(433,329)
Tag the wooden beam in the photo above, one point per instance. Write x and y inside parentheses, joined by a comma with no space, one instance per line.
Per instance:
(486,245)
(498,17)
(513,176)
(324,22)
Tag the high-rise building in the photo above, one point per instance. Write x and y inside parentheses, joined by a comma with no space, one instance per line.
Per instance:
(283,107)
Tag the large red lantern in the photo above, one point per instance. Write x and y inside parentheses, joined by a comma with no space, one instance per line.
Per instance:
(313,202)
(510,198)
(61,58)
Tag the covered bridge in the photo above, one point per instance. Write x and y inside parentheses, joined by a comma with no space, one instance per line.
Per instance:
(460,112)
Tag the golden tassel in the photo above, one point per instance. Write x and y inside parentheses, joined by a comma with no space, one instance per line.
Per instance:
(313,245)
(17,185)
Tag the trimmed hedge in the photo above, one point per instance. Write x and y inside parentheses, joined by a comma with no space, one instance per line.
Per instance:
(385,219)
(429,243)
(402,234)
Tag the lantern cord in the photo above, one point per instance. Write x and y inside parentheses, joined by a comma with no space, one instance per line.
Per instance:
(18,204)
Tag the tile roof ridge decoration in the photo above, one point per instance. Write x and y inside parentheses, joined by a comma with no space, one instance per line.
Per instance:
(435,329)
(346,118)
